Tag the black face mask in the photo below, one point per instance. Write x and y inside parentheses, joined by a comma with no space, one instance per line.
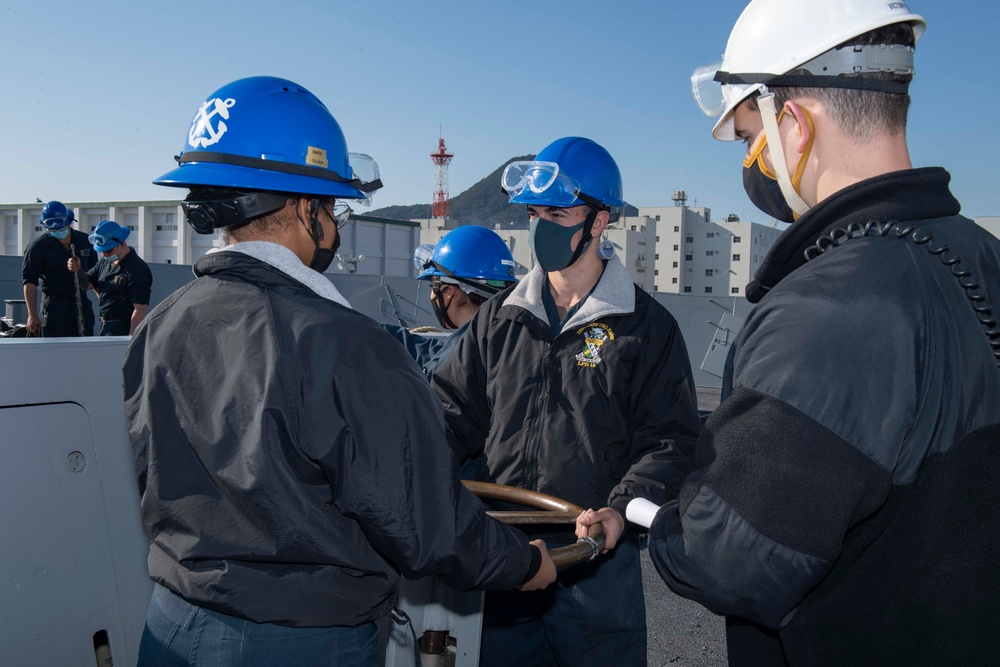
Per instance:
(441,310)
(765,193)
(322,257)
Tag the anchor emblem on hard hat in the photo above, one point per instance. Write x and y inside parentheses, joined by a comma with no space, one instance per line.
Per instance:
(202,132)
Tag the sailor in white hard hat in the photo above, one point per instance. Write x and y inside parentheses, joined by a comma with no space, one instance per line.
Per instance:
(845,511)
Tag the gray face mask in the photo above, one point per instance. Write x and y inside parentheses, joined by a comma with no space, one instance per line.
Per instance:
(550,243)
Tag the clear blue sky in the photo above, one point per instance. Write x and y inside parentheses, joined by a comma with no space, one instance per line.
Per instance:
(97,97)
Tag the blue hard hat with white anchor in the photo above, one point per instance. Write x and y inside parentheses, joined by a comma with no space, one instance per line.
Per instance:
(267,133)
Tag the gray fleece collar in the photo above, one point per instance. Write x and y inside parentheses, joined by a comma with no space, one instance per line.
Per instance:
(288,263)
(614,295)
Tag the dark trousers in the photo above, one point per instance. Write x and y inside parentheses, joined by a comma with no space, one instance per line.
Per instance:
(594,614)
(59,318)
(752,645)
(115,327)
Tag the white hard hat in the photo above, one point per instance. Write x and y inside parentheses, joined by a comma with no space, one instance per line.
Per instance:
(774,37)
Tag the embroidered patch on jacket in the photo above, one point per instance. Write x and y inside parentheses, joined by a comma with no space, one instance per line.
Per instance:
(595,335)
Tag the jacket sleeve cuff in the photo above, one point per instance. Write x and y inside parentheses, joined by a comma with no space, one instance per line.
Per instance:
(536,564)
(620,503)
(666,522)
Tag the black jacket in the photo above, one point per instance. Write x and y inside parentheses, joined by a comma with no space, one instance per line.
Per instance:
(847,493)
(45,265)
(598,414)
(121,286)
(291,458)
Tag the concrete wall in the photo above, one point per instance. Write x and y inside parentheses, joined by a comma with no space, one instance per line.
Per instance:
(368,294)
(708,324)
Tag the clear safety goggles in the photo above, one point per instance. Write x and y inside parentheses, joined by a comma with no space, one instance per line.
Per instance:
(57,222)
(422,255)
(712,96)
(341,213)
(541,177)
(100,239)
(365,169)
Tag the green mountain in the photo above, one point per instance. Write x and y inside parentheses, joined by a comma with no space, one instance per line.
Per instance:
(483,204)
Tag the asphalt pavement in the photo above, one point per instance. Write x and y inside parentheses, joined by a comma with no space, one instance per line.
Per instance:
(681,633)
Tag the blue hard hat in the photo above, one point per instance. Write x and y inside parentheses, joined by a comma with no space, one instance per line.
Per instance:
(266,133)
(473,253)
(568,172)
(107,235)
(56,215)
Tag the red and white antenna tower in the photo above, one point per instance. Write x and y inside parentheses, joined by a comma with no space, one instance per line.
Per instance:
(441,207)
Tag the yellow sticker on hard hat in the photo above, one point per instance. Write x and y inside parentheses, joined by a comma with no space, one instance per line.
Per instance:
(317,157)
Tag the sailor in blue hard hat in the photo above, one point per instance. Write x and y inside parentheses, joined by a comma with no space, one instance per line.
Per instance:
(468,265)
(107,236)
(573,190)
(292,461)
(66,310)
(121,279)
(57,218)
(569,384)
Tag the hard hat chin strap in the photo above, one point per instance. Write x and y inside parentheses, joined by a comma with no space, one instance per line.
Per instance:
(769,117)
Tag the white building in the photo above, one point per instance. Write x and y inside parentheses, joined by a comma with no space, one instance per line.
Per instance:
(674,249)
(990,224)
(629,246)
(695,255)
(369,245)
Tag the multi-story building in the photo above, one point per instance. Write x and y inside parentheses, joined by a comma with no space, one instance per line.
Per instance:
(990,224)
(631,246)
(673,249)
(635,244)
(369,245)
(695,255)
